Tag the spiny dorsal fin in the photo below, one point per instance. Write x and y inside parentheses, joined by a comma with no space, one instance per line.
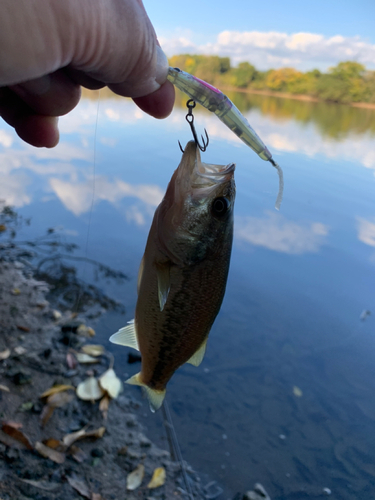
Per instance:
(155,398)
(198,356)
(126,336)
(164,282)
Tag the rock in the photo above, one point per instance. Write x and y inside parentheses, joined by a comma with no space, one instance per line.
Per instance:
(97,452)
(21,378)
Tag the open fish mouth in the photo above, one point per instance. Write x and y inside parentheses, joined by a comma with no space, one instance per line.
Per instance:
(206,175)
(198,178)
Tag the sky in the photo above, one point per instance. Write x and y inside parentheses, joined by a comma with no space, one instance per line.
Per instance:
(269,33)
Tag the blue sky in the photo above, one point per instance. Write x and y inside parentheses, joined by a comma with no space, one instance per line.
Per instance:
(264,32)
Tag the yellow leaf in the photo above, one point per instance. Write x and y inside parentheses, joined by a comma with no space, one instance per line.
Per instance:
(134,479)
(158,478)
(71,438)
(110,383)
(90,390)
(85,358)
(93,349)
(4,354)
(48,452)
(55,389)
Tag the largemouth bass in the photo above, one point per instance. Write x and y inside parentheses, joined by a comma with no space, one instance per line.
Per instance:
(183,273)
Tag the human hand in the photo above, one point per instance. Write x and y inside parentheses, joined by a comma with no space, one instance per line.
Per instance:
(48,49)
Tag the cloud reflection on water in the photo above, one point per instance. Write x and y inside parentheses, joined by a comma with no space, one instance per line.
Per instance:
(366,231)
(275,232)
(77,197)
(66,169)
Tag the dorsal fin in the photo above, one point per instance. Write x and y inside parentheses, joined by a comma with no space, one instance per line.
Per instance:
(126,336)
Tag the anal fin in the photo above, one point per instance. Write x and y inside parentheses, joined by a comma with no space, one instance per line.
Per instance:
(155,398)
(198,356)
(126,336)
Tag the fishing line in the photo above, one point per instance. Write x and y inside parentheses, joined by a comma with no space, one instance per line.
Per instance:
(80,292)
(173,442)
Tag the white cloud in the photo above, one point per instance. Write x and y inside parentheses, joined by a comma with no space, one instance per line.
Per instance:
(276,233)
(77,197)
(6,139)
(13,189)
(366,231)
(274,49)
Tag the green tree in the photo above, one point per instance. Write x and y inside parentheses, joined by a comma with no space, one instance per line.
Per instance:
(243,75)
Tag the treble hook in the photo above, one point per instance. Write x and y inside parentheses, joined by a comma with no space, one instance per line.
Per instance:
(190,119)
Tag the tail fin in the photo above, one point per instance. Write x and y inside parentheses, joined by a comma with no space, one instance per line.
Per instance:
(155,398)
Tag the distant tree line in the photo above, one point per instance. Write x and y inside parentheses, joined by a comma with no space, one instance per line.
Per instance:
(348,82)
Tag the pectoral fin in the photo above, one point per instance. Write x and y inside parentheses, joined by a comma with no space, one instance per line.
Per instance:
(164,283)
(140,273)
(155,398)
(198,356)
(126,336)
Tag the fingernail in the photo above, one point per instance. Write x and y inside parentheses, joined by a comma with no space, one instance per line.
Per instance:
(162,66)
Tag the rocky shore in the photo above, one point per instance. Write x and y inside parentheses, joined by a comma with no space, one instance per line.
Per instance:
(54,445)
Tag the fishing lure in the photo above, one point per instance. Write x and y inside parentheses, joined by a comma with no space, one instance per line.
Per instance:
(214,100)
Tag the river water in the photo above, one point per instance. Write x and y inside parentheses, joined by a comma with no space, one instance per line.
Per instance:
(285,395)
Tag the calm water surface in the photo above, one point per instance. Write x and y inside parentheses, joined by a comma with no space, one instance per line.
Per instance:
(286,393)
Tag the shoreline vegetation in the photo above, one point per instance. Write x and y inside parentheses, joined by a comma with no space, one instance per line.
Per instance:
(347,83)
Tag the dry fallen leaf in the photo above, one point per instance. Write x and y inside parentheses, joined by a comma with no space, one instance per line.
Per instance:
(43,485)
(80,486)
(110,383)
(71,360)
(55,389)
(93,349)
(53,443)
(69,439)
(85,358)
(23,328)
(90,390)
(104,405)
(55,400)
(134,479)
(4,388)
(48,452)
(2,228)
(46,414)
(158,478)
(13,430)
(86,331)
(59,399)
(20,350)
(4,354)
(78,454)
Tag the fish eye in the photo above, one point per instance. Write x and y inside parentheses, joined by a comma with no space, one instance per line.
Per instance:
(220,206)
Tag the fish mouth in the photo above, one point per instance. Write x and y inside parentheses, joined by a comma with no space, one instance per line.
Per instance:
(203,176)
(206,175)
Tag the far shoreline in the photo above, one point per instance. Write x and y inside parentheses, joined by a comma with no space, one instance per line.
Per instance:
(297,97)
